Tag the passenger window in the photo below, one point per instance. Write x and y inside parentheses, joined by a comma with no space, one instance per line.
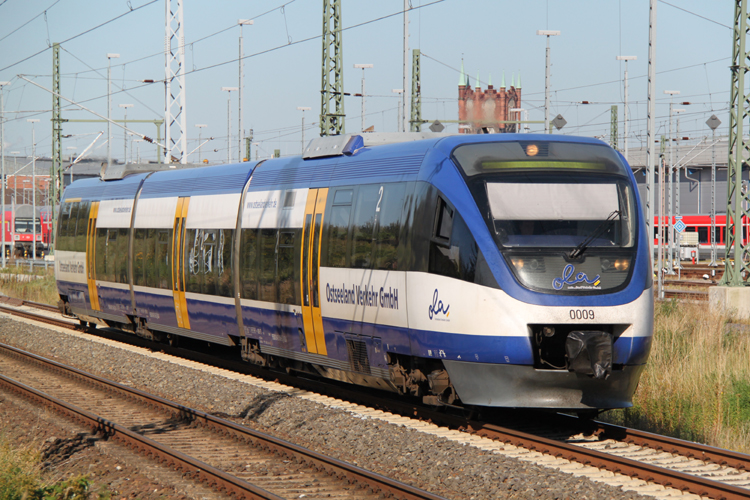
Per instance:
(110,261)
(338,228)
(288,265)
(703,235)
(443,221)
(268,242)
(194,254)
(453,251)
(388,209)
(123,240)
(161,259)
(139,257)
(249,264)
(62,226)
(363,226)
(207,256)
(82,227)
(224,263)
(149,244)
(70,229)
(101,254)
(209,261)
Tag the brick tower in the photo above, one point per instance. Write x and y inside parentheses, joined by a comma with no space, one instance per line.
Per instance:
(482,111)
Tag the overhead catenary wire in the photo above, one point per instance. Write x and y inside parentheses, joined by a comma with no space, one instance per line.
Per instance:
(80,34)
(187,44)
(266,51)
(30,20)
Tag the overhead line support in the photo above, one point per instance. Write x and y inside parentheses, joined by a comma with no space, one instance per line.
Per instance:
(332,114)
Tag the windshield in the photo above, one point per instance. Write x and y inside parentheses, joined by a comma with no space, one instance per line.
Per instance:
(25,226)
(562,214)
(552,211)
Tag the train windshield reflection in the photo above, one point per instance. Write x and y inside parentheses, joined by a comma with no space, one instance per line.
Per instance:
(561,214)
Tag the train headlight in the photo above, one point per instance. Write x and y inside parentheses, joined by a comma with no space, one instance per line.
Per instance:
(528,264)
(615,264)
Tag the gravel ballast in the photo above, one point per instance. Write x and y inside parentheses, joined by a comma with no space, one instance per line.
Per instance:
(444,467)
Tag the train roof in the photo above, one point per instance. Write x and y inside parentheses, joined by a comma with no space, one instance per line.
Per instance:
(335,160)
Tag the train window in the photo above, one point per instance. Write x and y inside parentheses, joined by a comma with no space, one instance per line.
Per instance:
(390,206)
(101,254)
(249,264)
(338,229)
(194,275)
(443,221)
(150,276)
(454,255)
(63,239)
(70,229)
(314,283)
(224,263)
(268,242)
(123,239)
(703,235)
(162,251)
(81,227)
(289,251)
(110,255)
(139,254)
(306,260)
(363,225)
(208,257)
(209,261)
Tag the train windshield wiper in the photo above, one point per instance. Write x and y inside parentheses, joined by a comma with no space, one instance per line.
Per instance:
(578,251)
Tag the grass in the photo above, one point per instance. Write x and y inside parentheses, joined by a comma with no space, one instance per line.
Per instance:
(22,478)
(696,384)
(42,289)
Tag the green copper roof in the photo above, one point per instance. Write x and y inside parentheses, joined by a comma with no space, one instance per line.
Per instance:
(462,78)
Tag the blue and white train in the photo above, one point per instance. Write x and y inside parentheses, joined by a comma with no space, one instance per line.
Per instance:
(492,270)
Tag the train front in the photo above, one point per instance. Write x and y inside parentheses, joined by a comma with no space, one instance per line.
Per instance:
(572,322)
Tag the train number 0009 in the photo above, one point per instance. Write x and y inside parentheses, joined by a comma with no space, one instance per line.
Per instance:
(581,314)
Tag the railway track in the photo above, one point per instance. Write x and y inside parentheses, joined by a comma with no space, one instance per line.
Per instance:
(686,466)
(235,460)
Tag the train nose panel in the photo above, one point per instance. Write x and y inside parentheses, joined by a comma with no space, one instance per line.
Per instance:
(590,353)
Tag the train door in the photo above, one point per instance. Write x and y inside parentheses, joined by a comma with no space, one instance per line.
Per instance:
(311,237)
(91,256)
(178,263)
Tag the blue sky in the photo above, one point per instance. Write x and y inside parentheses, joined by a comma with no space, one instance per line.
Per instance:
(282,72)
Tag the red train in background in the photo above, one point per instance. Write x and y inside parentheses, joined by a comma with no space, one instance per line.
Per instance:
(701,224)
(19,231)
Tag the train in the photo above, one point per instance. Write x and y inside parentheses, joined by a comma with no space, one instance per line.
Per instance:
(700,225)
(19,231)
(495,270)
(26,236)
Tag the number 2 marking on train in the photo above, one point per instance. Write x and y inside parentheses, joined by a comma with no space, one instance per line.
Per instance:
(581,314)
(380,193)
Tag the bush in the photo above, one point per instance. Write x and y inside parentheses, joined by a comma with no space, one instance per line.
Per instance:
(21,477)
(696,384)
